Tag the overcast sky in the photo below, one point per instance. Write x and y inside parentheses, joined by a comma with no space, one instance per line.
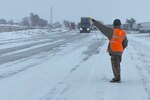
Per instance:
(72,10)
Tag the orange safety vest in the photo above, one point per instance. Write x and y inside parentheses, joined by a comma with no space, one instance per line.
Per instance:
(116,40)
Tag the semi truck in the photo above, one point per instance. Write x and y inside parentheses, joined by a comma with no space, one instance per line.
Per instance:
(144,27)
(85,25)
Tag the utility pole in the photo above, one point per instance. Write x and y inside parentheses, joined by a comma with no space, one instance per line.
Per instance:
(51,17)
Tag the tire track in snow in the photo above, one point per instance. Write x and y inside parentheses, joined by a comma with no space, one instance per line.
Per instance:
(12,73)
(35,38)
(51,39)
(93,48)
(56,92)
(61,88)
(24,68)
(7,72)
(35,51)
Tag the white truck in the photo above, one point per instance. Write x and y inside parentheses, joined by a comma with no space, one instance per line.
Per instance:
(144,27)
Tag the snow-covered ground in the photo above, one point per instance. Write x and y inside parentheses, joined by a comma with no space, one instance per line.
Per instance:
(60,65)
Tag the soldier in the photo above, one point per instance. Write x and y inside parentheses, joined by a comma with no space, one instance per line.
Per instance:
(117,43)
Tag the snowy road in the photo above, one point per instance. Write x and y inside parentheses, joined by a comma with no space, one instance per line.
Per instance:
(72,66)
(35,48)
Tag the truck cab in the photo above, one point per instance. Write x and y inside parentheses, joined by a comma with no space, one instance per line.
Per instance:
(85,25)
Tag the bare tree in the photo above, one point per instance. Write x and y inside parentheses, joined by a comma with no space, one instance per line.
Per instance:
(11,22)
(130,22)
(2,21)
(35,19)
(26,22)
(43,23)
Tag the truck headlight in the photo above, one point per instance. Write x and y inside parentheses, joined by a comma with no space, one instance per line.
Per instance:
(88,29)
(81,29)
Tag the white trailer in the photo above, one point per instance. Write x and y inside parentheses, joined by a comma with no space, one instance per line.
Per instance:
(144,27)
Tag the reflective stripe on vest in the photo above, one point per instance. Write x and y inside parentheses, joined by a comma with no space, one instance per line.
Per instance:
(116,40)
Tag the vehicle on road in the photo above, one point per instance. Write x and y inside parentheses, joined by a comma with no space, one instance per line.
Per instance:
(144,27)
(85,25)
(72,25)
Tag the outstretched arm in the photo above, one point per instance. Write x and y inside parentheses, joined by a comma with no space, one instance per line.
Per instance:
(107,31)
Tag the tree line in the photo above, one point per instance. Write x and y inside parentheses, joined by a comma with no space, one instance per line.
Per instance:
(35,21)
(31,21)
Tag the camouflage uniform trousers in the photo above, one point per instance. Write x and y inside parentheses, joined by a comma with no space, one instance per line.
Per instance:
(115,61)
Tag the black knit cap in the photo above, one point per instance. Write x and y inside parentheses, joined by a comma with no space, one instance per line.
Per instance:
(117,22)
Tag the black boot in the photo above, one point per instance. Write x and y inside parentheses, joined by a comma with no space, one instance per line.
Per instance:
(114,80)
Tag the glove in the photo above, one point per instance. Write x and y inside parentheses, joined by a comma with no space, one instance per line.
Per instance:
(92,19)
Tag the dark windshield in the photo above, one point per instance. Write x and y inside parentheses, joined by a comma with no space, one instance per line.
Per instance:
(85,20)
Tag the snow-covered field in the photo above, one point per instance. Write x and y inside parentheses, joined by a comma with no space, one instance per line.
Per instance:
(67,65)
